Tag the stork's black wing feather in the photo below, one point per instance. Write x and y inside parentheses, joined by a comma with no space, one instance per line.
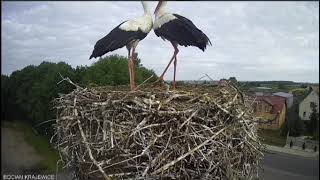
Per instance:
(117,38)
(182,31)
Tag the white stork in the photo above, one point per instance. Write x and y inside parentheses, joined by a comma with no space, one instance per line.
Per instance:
(128,34)
(179,31)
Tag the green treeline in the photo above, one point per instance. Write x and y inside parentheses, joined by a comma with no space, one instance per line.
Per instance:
(27,94)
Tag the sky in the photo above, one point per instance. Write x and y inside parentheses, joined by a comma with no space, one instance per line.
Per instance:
(252,41)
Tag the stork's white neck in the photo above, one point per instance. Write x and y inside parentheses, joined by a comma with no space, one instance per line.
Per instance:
(145,7)
(161,9)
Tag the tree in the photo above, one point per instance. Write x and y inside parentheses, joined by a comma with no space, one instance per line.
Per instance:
(314,121)
(233,80)
(5,90)
(32,90)
(27,94)
(113,70)
(296,127)
(298,92)
(294,124)
(281,86)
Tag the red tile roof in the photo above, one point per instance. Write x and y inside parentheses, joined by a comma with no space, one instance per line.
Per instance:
(276,102)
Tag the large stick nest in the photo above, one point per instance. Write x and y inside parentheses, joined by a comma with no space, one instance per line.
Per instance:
(153,133)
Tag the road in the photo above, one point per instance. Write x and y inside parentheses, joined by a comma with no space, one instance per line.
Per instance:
(280,166)
(16,154)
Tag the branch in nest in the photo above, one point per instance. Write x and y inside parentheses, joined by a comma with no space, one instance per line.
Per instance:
(68,80)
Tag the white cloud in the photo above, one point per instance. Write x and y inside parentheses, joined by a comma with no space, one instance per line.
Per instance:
(251,40)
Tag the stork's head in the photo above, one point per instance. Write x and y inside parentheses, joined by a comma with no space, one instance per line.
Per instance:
(159,6)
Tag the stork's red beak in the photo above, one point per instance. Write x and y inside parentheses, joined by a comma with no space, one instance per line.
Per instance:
(158,6)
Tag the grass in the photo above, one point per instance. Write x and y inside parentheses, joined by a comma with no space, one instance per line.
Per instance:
(41,145)
(272,137)
(297,89)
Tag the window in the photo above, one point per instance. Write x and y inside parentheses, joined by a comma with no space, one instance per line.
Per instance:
(304,114)
(312,104)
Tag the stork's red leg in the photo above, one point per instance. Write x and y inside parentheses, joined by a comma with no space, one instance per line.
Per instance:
(132,84)
(132,69)
(174,72)
(132,78)
(176,50)
(161,77)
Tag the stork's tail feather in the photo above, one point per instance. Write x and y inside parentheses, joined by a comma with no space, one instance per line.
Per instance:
(209,42)
(110,42)
(96,53)
(203,41)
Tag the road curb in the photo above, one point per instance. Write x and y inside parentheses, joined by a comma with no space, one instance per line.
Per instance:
(291,151)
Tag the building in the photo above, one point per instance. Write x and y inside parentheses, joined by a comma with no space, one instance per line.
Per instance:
(271,111)
(288,96)
(304,106)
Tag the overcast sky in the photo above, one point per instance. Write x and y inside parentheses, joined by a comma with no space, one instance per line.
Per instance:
(251,40)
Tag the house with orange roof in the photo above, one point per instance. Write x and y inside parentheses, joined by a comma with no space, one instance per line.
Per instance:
(270,111)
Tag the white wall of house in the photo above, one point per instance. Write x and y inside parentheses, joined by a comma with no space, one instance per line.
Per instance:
(304,107)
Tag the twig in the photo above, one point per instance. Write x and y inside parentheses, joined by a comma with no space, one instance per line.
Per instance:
(191,116)
(209,77)
(165,167)
(143,82)
(44,122)
(90,152)
(68,80)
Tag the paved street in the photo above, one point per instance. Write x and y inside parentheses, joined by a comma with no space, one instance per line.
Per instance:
(280,166)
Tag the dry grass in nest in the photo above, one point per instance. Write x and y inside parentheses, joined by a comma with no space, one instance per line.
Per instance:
(153,133)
